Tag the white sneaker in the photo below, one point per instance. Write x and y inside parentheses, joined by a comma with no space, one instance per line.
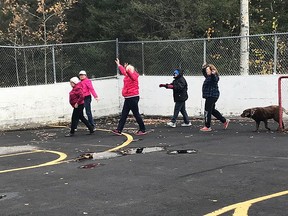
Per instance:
(171,124)
(186,125)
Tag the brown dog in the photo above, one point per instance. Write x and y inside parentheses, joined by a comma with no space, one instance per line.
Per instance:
(263,114)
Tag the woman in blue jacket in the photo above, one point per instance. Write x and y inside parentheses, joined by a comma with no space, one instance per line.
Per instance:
(210,92)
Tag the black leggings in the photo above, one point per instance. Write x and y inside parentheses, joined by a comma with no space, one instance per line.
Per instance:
(76,115)
(131,104)
(210,110)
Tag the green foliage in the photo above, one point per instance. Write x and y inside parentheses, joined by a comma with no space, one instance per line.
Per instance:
(157,20)
(268,16)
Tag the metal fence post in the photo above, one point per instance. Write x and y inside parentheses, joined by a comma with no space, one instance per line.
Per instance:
(143,59)
(54,64)
(275,54)
(117,55)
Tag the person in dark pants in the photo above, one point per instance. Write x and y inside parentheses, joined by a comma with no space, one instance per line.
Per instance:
(130,92)
(76,99)
(180,95)
(210,92)
(88,89)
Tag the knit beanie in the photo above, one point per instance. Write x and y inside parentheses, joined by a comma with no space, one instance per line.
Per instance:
(74,80)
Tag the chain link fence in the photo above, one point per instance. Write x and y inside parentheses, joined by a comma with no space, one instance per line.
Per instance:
(35,65)
(267,55)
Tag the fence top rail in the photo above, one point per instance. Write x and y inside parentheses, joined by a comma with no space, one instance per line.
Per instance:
(202,39)
(60,44)
(140,42)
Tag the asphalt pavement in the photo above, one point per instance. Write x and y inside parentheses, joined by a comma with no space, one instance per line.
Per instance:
(227,172)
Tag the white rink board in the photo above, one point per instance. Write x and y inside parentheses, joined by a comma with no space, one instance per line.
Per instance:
(23,107)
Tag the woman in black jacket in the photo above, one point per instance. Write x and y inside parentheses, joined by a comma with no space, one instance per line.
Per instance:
(180,87)
(210,92)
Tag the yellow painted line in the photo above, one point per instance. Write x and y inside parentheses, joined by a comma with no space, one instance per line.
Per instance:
(242,208)
(127,142)
(62,156)
(19,153)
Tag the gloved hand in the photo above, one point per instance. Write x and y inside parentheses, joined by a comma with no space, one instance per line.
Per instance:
(163,85)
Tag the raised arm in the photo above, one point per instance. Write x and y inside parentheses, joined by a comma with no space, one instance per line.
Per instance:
(204,70)
(121,68)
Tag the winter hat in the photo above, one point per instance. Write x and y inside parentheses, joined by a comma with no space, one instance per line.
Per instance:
(176,72)
(74,80)
(82,72)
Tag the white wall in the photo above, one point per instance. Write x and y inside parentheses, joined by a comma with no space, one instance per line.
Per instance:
(39,105)
(236,94)
(23,107)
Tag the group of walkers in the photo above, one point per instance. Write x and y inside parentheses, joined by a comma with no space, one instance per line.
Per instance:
(80,98)
(210,92)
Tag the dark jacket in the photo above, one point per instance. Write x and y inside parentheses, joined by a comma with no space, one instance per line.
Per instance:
(210,85)
(180,88)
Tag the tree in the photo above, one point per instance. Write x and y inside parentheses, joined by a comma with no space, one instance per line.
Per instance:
(45,12)
(40,23)
(244,43)
(16,31)
(268,16)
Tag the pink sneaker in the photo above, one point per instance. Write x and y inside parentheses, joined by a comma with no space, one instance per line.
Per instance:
(116,132)
(205,129)
(139,133)
(225,124)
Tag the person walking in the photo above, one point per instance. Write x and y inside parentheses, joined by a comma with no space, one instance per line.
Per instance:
(130,92)
(210,92)
(180,95)
(88,89)
(76,99)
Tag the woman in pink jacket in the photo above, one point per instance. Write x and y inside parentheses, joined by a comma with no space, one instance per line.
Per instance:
(88,89)
(130,92)
(76,99)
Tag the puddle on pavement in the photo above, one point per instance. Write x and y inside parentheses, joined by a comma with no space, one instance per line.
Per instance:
(182,151)
(142,150)
(130,151)
(105,155)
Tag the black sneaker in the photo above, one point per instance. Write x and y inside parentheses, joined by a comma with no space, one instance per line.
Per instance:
(69,135)
(116,132)
(91,132)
